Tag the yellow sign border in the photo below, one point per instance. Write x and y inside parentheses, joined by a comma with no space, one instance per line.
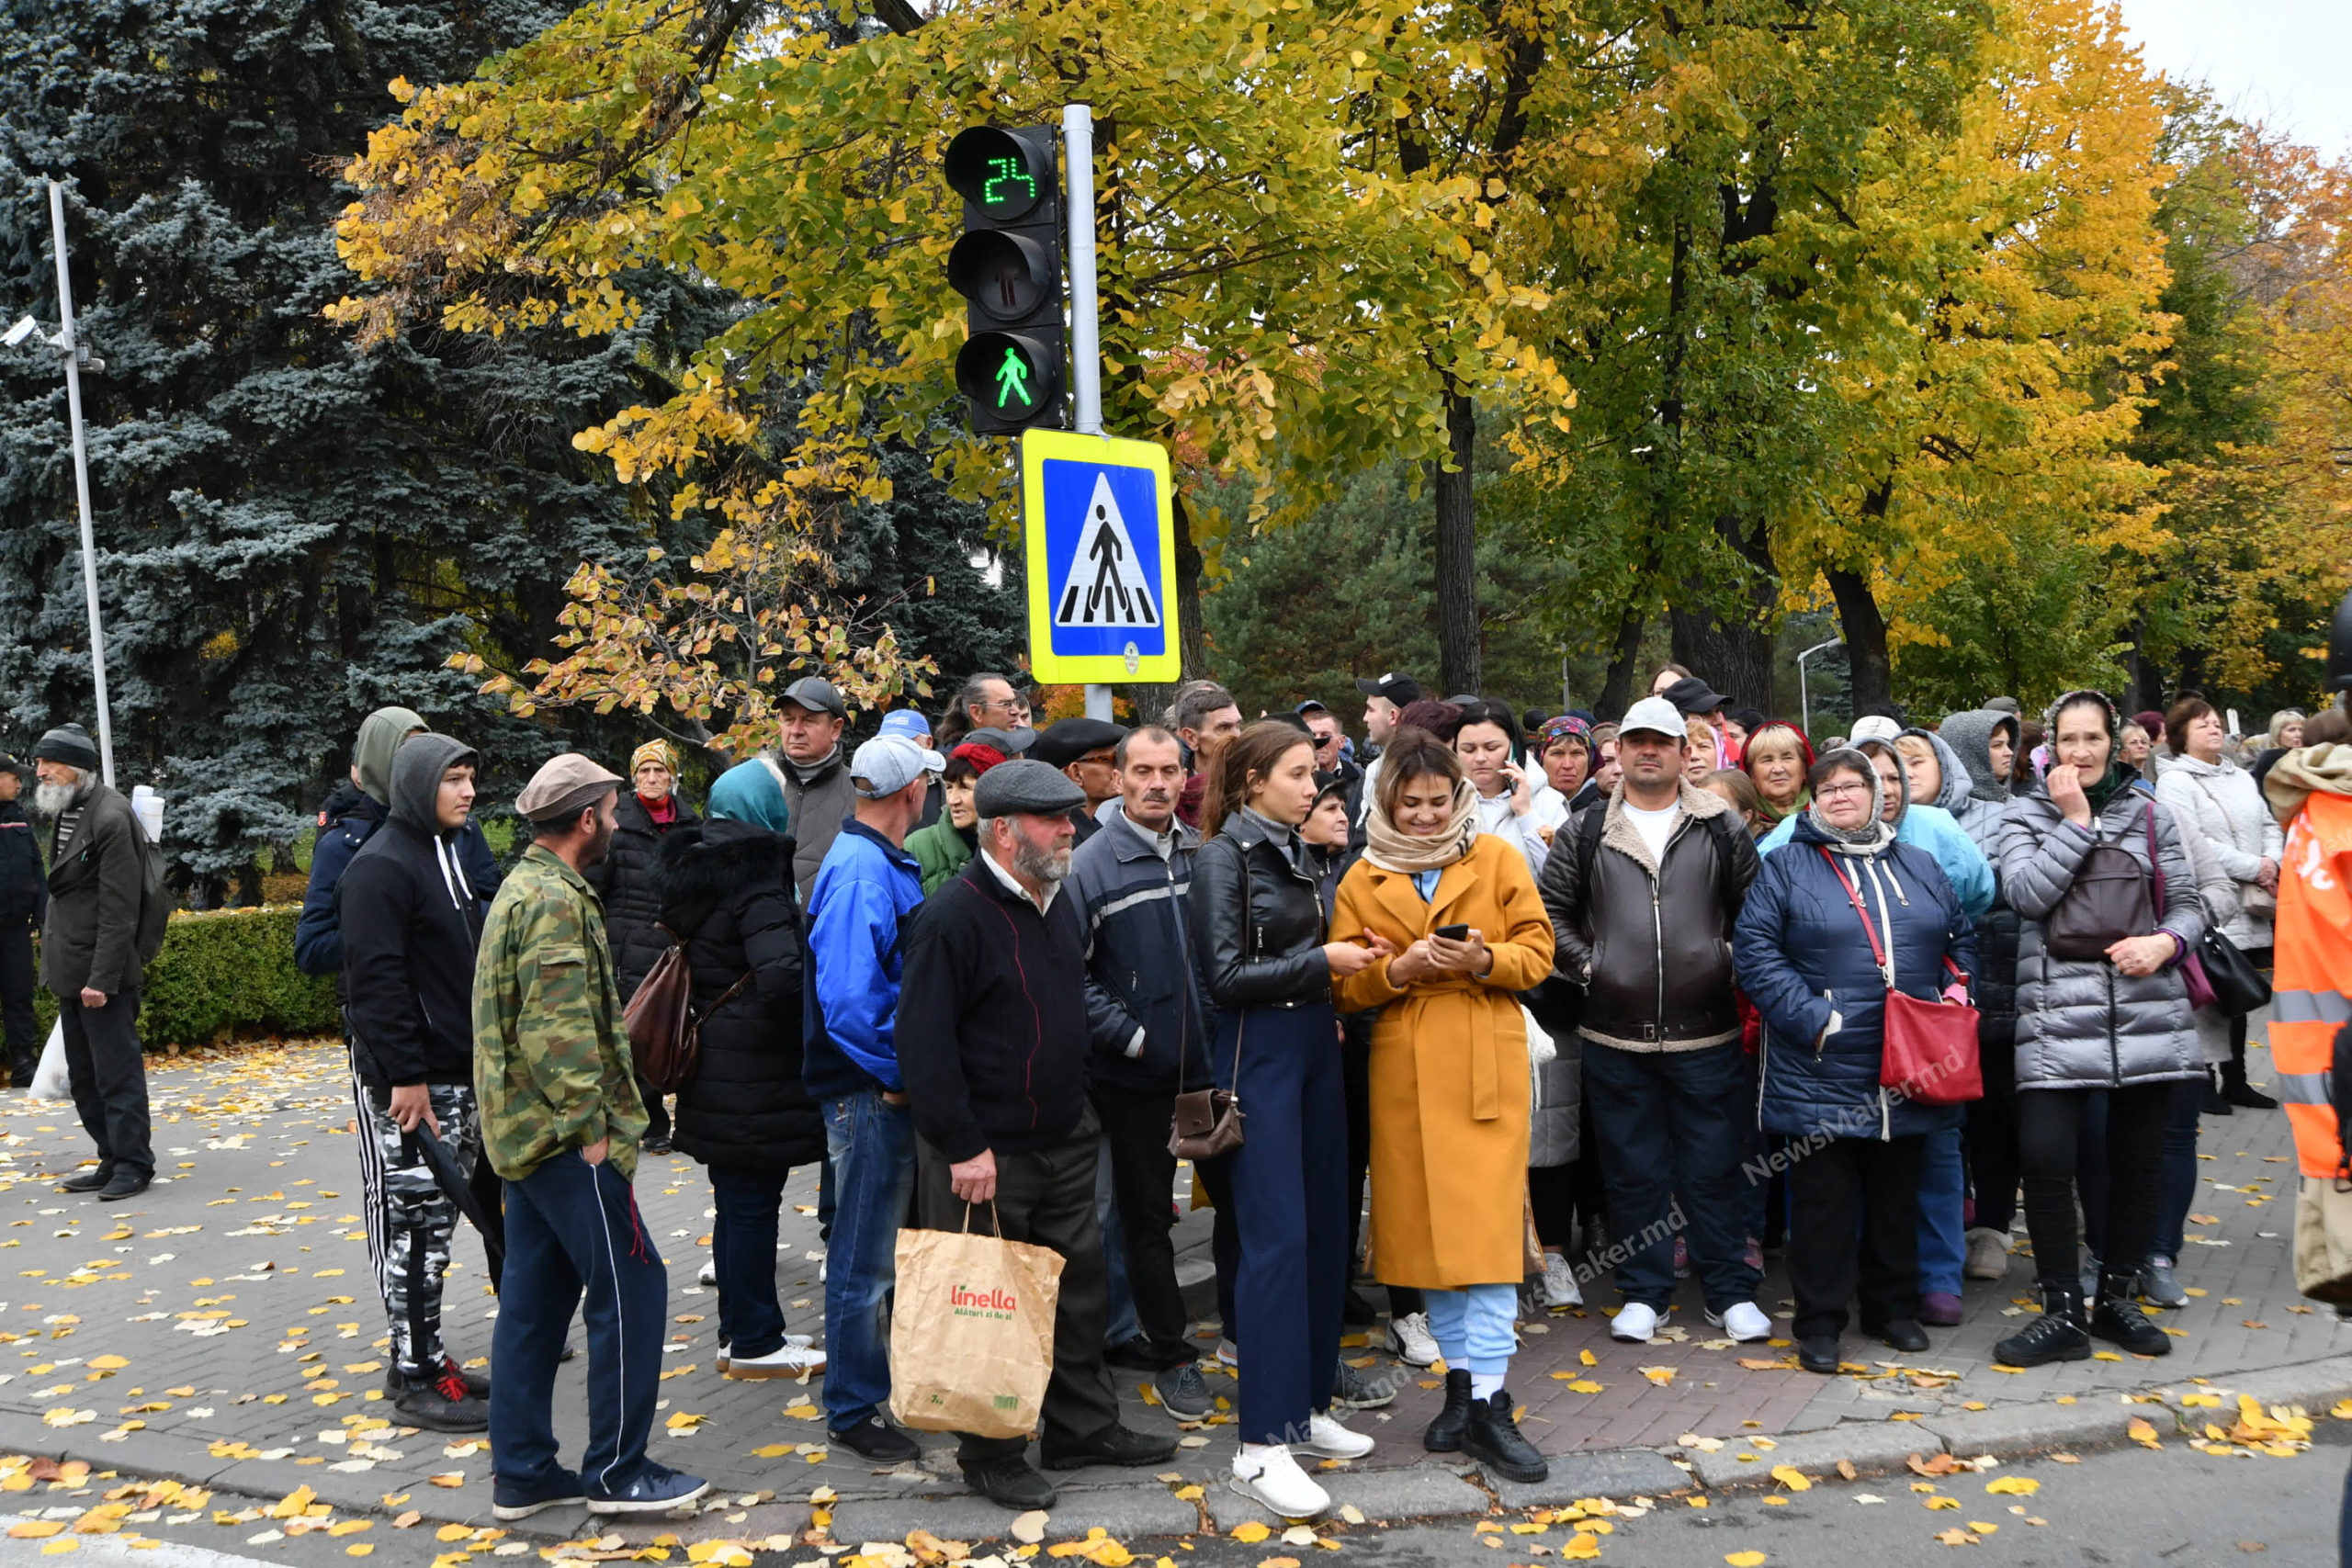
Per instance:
(1106,669)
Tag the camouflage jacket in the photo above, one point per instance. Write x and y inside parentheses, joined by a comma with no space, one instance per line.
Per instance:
(552,1067)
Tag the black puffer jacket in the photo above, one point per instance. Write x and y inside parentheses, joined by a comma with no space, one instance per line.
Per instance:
(725,887)
(1273,957)
(624,879)
(1979,810)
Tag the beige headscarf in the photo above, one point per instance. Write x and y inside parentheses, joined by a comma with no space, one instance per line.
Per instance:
(2324,769)
(1392,848)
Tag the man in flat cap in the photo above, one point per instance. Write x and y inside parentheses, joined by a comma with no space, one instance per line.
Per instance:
(89,956)
(561,1122)
(809,763)
(1082,748)
(410,920)
(992,1040)
(23,898)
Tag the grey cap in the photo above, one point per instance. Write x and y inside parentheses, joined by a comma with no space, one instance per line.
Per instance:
(1026,788)
(889,764)
(1012,742)
(816,694)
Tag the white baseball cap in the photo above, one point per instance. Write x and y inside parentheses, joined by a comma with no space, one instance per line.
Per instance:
(1656,716)
(1873,727)
(889,764)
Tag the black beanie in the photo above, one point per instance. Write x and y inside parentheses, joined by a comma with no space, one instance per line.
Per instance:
(70,744)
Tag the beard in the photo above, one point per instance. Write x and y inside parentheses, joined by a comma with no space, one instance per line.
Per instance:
(49,799)
(1048,866)
(600,844)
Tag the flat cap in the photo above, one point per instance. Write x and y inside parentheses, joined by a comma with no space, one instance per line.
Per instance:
(1010,742)
(1026,788)
(1061,744)
(816,694)
(565,785)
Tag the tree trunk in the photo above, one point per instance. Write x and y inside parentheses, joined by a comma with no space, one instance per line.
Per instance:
(1735,655)
(1870,672)
(2145,687)
(1617,691)
(1457,552)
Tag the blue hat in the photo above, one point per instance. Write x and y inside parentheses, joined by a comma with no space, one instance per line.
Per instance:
(905,723)
(749,792)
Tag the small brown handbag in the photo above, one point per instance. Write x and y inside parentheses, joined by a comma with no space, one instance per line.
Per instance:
(664,1030)
(1207,1122)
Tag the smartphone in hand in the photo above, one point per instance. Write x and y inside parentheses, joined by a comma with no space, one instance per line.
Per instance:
(1453,933)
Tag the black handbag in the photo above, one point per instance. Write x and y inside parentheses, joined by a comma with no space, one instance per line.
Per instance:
(2237,986)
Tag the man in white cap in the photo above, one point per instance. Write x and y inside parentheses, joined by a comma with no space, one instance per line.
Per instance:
(1642,906)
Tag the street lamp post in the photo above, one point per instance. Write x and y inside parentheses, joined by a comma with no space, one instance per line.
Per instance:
(1804,697)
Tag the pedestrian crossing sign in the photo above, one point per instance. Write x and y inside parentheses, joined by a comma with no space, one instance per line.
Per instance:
(1100,530)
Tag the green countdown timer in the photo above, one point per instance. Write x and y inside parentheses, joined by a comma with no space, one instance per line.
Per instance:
(998,173)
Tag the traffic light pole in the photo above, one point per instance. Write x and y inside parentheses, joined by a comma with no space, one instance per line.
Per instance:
(1085,322)
(68,346)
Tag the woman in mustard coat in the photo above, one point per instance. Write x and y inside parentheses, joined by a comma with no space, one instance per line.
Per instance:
(1448,1076)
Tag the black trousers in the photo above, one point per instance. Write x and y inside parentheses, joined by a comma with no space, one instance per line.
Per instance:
(1843,1183)
(22,1031)
(2050,1123)
(1355,1084)
(2234,1070)
(1045,1197)
(1992,1141)
(1143,1184)
(109,1079)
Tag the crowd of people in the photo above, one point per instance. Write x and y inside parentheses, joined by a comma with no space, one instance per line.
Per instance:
(1566,999)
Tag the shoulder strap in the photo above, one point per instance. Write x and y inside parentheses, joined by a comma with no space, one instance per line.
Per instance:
(1870,931)
(1589,826)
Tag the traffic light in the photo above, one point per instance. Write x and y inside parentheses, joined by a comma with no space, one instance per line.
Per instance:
(1008,266)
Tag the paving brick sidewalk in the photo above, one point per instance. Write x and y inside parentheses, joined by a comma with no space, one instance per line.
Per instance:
(236,1296)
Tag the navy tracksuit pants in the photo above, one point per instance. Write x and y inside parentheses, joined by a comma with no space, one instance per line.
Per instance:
(574,1239)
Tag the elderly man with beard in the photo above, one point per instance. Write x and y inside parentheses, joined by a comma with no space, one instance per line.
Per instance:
(993,1041)
(90,957)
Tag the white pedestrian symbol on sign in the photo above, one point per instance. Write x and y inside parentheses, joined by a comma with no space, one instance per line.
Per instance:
(1106,586)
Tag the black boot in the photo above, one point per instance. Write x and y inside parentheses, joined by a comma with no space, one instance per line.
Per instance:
(1495,1440)
(1444,1436)
(2060,1334)
(2236,1090)
(2118,1320)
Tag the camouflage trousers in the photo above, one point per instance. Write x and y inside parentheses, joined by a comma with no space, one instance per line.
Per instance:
(410,1220)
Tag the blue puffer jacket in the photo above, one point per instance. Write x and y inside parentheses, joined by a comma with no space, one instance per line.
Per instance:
(1801,955)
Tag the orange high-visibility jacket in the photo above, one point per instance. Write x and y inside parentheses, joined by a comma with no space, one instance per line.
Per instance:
(2311,983)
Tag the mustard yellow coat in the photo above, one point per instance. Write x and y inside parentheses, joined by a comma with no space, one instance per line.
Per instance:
(1449,1083)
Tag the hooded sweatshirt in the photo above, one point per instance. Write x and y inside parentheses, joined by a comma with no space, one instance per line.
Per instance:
(410,920)
(380,734)
(1970,736)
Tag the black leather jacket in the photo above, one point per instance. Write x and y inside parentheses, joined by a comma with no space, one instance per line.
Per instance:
(1273,954)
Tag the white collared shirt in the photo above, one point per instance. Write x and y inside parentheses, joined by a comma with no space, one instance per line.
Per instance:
(1012,884)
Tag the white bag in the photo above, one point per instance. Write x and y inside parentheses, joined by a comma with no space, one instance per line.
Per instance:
(1540,1048)
(49,1078)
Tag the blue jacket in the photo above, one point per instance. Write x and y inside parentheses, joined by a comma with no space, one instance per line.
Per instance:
(867,888)
(318,935)
(1801,955)
(1932,829)
(1144,1010)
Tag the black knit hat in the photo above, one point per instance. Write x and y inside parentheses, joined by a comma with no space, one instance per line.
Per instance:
(70,744)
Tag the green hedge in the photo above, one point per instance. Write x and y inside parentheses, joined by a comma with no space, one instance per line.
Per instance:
(223,973)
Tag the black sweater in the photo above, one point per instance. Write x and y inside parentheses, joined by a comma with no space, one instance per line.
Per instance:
(991,1031)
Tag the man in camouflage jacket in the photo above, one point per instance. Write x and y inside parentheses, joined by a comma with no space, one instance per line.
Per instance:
(561,1121)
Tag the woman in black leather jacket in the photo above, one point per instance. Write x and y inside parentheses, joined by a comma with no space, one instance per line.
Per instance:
(1257,925)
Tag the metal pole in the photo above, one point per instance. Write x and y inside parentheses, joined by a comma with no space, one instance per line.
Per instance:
(69,348)
(1805,699)
(1565,704)
(1085,330)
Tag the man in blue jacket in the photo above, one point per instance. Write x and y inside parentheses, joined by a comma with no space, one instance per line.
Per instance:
(1145,1016)
(866,889)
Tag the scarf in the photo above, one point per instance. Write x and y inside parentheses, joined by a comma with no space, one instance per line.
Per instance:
(662,813)
(1873,835)
(1391,848)
(2121,775)
(2324,769)
(1777,815)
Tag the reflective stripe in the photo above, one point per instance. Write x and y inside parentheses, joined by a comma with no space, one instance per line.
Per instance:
(2302,1089)
(2311,1007)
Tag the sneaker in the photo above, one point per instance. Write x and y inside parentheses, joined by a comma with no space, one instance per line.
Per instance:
(1352,1390)
(509,1504)
(1634,1324)
(655,1489)
(477,1383)
(1941,1309)
(657,1144)
(1409,1339)
(1011,1482)
(2060,1334)
(1121,1446)
(708,1274)
(1744,1320)
(2159,1285)
(1328,1439)
(1183,1392)
(2118,1320)
(1269,1477)
(124,1184)
(88,1180)
(875,1439)
(1988,1255)
(1560,1282)
(1229,1354)
(726,1355)
(445,1405)
(787,1360)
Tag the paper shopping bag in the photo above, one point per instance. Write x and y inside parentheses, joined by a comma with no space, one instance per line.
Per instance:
(972,1332)
(2324,1241)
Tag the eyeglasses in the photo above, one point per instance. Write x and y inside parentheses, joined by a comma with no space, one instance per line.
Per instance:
(1834,792)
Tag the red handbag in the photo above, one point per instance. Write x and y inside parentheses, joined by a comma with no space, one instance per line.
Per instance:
(1928,1048)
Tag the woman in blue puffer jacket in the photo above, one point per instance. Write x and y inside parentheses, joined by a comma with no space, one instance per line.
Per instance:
(1806,961)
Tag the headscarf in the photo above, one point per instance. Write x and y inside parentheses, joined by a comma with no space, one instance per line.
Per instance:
(980,754)
(1390,848)
(1871,748)
(2120,775)
(1873,835)
(1567,727)
(1804,749)
(749,792)
(654,751)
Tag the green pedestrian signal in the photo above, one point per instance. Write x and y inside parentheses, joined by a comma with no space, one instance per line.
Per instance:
(1013,379)
(1007,264)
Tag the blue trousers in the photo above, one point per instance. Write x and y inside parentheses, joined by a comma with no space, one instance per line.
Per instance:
(574,1239)
(1667,1125)
(1290,1198)
(1124,1324)
(1943,1240)
(872,1145)
(1473,1326)
(743,1254)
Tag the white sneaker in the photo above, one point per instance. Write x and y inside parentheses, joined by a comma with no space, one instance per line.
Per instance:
(787,1360)
(1560,1282)
(1988,1254)
(1269,1476)
(1410,1341)
(708,1274)
(1634,1324)
(1744,1320)
(1229,1354)
(1327,1438)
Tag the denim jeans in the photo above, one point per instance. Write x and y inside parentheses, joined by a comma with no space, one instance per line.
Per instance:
(871,1145)
(1667,1125)
(742,1253)
(1123,1323)
(1943,1242)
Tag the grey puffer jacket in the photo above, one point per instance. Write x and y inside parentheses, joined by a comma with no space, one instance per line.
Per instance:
(2083,1023)
(1969,736)
(2230,832)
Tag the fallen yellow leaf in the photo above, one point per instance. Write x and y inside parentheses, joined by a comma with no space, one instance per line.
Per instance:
(1743,1559)
(2013,1486)
(1792,1478)
(1249,1532)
